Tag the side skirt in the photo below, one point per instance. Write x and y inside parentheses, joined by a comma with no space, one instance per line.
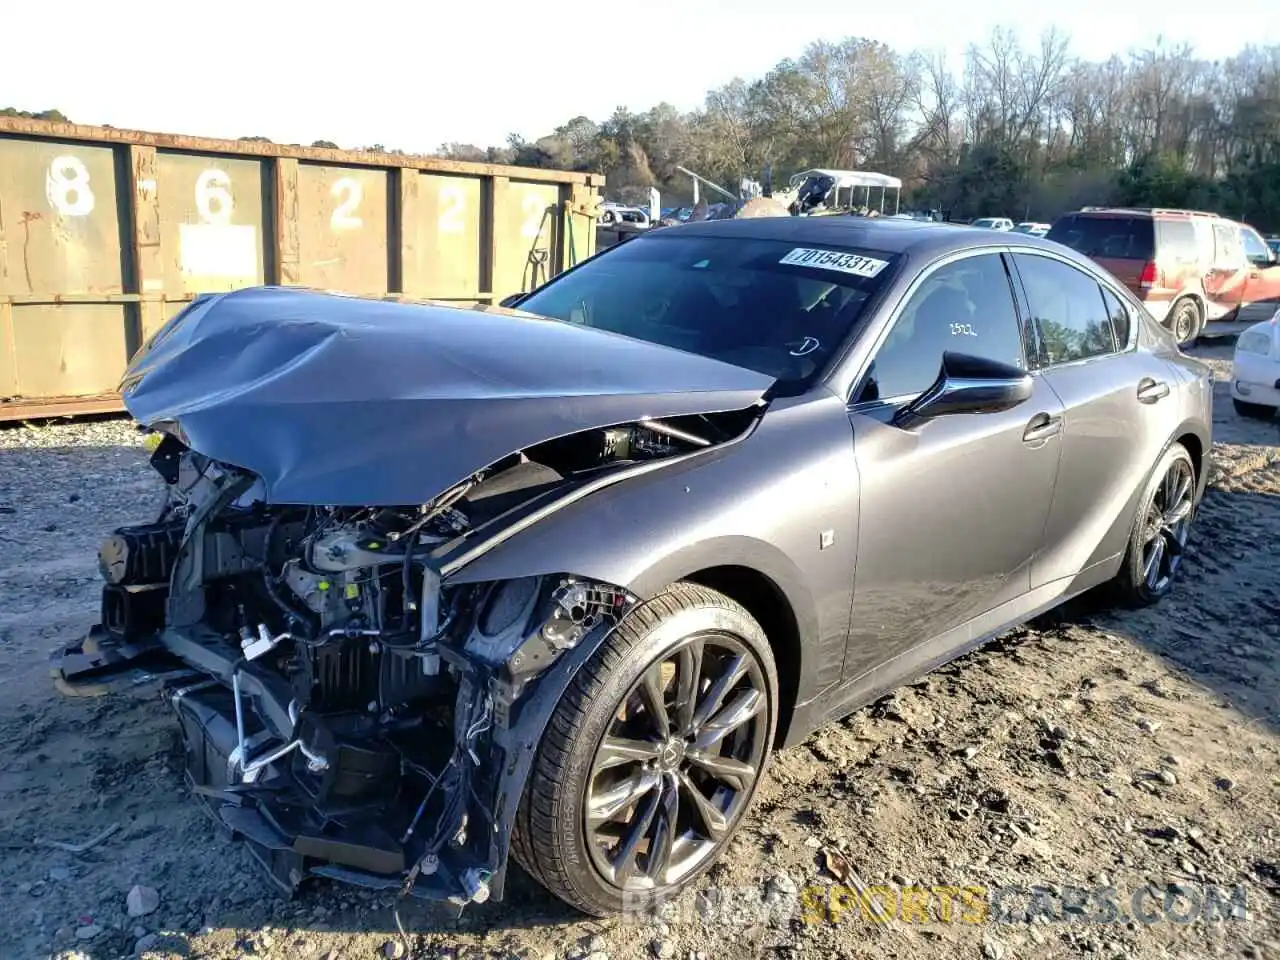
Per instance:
(926,657)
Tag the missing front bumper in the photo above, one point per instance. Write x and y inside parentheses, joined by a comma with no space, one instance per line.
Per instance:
(276,820)
(339,822)
(101,663)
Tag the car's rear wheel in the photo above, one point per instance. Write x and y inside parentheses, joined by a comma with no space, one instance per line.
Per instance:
(1185,321)
(1158,541)
(652,756)
(1254,411)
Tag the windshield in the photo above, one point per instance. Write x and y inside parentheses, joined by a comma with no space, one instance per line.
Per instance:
(779,308)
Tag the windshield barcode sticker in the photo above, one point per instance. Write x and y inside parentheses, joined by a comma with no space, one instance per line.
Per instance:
(834,260)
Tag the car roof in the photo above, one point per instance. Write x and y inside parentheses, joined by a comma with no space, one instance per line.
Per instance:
(1152,213)
(914,237)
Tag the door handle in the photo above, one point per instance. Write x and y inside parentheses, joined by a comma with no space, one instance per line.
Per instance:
(1041,427)
(1149,391)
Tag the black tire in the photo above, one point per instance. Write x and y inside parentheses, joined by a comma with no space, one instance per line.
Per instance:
(1133,583)
(1185,321)
(1254,411)
(551,836)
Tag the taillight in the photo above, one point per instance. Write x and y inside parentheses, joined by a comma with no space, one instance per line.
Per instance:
(1148,278)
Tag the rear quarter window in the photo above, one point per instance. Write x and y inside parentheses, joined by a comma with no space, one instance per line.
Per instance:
(1119,238)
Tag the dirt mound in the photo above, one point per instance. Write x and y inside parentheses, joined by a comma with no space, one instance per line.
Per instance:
(1096,750)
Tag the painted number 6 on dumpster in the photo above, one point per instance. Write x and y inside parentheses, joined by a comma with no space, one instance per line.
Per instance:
(213,197)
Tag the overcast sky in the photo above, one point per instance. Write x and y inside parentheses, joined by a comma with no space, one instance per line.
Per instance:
(412,74)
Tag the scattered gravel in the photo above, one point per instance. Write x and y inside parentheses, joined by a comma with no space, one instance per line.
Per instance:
(1017,765)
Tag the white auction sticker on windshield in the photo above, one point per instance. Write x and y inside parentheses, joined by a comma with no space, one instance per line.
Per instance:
(834,260)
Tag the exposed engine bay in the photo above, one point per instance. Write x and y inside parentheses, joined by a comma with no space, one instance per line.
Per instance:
(346,709)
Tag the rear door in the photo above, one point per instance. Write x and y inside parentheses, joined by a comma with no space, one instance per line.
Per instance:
(1262,288)
(1228,273)
(1182,256)
(1118,412)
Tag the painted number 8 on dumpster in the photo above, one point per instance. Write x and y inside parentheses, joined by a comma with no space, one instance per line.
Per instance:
(66,185)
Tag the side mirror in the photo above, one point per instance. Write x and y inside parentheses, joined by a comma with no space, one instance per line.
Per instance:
(511,299)
(968,384)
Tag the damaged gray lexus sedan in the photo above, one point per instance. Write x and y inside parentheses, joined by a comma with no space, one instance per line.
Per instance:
(434,585)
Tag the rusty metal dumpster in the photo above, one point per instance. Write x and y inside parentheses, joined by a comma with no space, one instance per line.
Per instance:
(106,233)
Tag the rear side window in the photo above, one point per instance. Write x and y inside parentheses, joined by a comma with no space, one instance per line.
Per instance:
(1177,240)
(1121,238)
(1068,309)
(1120,319)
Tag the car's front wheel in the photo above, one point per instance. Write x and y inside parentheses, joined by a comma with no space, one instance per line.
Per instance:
(1158,540)
(652,756)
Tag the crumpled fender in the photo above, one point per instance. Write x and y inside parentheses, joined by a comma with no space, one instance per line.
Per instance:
(520,741)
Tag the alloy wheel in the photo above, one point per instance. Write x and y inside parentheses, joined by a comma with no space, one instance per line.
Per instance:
(1166,526)
(678,762)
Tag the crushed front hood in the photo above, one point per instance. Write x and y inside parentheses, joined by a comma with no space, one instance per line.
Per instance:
(347,401)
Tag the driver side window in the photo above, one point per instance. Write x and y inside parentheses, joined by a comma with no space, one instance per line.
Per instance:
(966,307)
(1255,249)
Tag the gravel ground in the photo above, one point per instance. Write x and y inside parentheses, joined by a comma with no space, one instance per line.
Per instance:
(1092,749)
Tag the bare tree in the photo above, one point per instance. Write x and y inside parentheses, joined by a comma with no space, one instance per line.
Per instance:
(1019,129)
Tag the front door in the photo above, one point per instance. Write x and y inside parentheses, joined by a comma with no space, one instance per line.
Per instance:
(1262,290)
(954,509)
